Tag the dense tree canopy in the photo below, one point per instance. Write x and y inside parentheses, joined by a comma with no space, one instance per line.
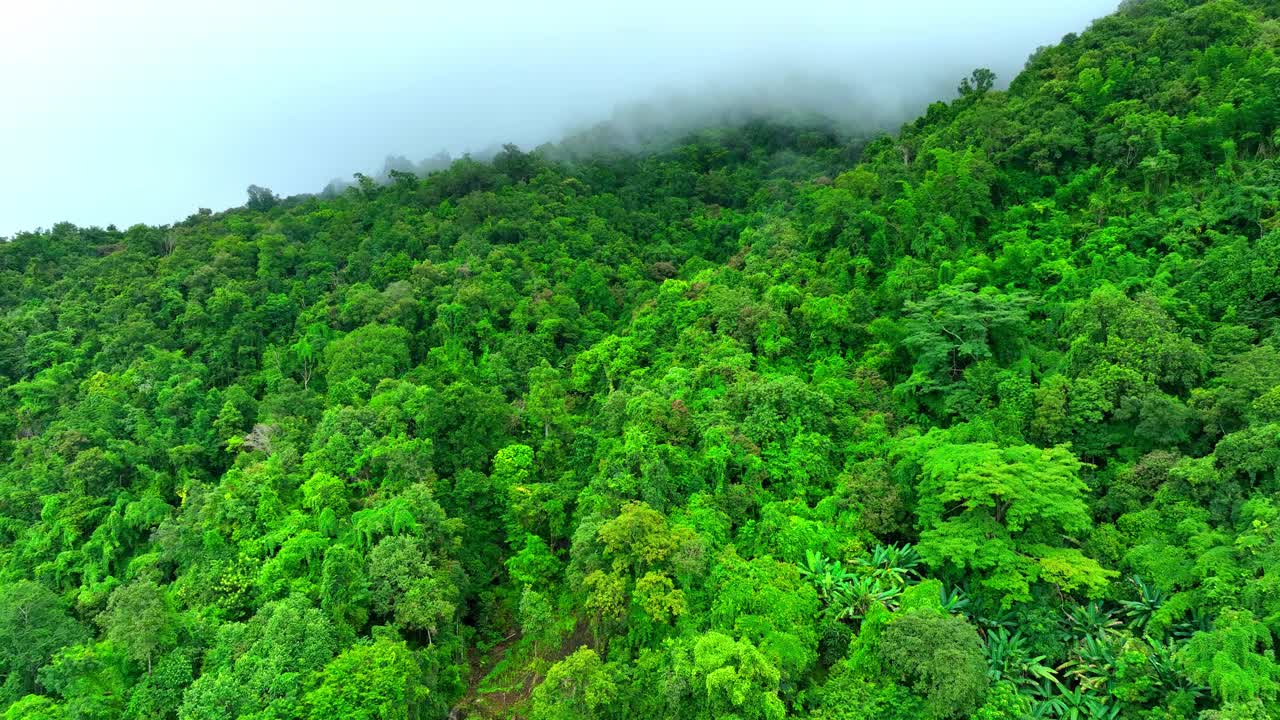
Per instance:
(978,419)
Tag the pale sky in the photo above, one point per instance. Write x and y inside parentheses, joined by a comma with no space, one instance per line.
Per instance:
(127,111)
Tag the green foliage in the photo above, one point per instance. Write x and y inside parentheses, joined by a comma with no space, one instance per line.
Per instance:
(940,656)
(1236,659)
(376,681)
(357,361)
(579,687)
(1006,512)
(764,421)
(33,626)
(139,619)
(263,666)
(722,677)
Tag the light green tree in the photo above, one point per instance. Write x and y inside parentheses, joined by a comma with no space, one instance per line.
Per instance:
(1010,514)
(140,619)
(375,681)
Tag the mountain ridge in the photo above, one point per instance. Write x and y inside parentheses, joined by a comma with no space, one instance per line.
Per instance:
(973,420)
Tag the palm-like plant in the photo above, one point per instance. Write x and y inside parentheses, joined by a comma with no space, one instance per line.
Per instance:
(1188,626)
(1092,620)
(1076,704)
(814,564)
(1168,670)
(990,617)
(826,575)
(880,577)
(1008,659)
(1042,709)
(954,599)
(1092,664)
(891,563)
(1140,611)
(856,594)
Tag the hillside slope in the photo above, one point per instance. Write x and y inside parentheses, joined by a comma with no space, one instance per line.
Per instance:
(977,420)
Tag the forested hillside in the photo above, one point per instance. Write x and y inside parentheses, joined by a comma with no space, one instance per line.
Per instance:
(980,419)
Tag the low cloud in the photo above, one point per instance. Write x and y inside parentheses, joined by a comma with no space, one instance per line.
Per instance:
(143,110)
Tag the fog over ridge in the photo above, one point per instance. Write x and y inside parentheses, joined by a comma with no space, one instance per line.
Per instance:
(147,109)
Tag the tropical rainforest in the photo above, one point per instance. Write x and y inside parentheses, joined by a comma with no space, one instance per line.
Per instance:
(976,419)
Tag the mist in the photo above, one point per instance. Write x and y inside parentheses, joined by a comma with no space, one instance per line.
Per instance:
(144,110)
